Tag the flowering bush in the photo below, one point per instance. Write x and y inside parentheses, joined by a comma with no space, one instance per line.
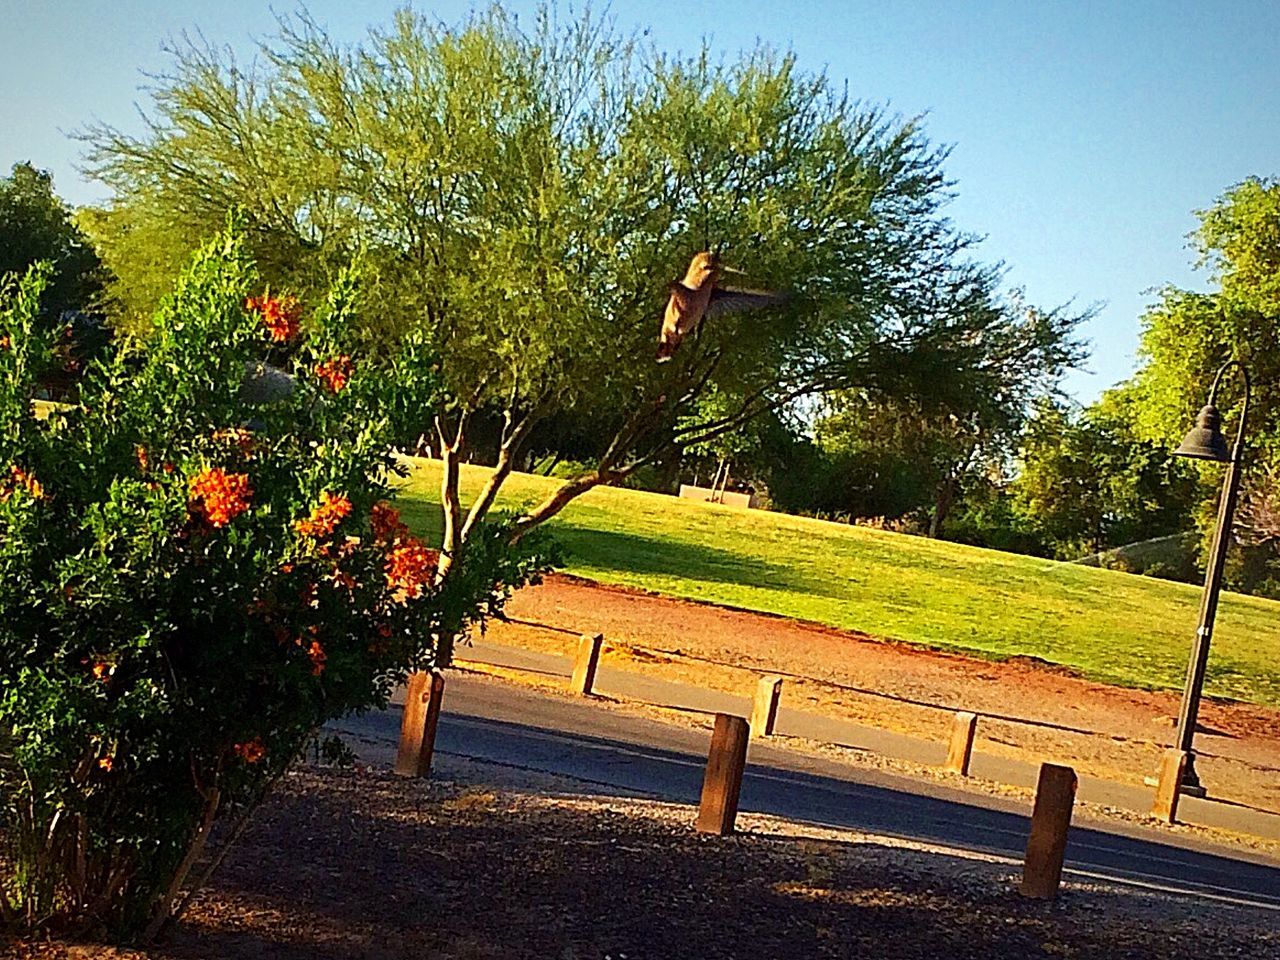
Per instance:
(198,566)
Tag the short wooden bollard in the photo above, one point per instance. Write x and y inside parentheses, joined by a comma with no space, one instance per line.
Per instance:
(418,725)
(960,751)
(1050,821)
(584,667)
(764,712)
(1173,765)
(718,808)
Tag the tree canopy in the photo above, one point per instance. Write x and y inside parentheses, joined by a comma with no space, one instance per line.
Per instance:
(524,195)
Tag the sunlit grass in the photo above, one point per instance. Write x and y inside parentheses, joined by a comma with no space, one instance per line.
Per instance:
(1109,626)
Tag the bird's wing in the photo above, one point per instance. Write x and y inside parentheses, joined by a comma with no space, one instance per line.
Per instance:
(732,300)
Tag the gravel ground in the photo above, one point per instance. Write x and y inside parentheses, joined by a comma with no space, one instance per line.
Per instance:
(343,864)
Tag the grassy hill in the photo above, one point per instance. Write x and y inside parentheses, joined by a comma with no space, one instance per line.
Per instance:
(1112,627)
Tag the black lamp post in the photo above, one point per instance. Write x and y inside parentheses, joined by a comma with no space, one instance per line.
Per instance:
(1206,442)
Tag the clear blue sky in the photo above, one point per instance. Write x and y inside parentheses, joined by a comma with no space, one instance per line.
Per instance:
(1084,134)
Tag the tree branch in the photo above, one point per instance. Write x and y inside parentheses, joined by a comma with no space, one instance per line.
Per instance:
(502,469)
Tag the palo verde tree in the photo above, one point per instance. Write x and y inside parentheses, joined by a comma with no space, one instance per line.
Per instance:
(524,196)
(950,410)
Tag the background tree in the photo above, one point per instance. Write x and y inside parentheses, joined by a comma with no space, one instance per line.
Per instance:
(1187,335)
(944,416)
(524,197)
(36,226)
(1086,484)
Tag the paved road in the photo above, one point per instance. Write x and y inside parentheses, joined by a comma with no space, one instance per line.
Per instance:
(607,751)
(798,722)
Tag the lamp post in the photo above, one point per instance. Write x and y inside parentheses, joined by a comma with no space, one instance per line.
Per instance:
(1206,442)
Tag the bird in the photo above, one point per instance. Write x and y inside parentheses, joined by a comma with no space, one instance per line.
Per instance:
(699,295)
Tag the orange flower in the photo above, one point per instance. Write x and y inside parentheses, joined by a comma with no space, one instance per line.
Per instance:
(20,479)
(5,343)
(325,518)
(102,671)
(307,595)
(140,452)
(219,496)
(251,751)
(279,315)
(318,657)
(106,764)
(410,567)
(385,520)
(335,373)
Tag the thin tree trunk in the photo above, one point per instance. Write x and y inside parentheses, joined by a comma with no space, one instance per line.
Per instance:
(163,909)
(450,505)
(715,482)
(942,506)
(502,469)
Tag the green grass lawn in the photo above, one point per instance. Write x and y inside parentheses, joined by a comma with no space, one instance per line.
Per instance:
(1111,627)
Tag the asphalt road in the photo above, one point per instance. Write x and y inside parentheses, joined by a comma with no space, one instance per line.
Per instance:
(608,751)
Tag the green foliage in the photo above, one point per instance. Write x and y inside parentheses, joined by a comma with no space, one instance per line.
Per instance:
(940,420)
(194,576)
(1188,335)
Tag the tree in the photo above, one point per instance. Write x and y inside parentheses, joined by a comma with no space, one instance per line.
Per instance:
(524,197)
(35,226)
(954,407)
(1086,484)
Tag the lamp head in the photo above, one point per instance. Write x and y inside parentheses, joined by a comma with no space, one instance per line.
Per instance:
(1205,440)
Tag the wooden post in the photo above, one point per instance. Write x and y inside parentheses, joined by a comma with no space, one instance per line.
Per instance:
(960,752)
(584,667)
(1173,763)
(1050,820)
(718,808)
(764,712)
(418,724)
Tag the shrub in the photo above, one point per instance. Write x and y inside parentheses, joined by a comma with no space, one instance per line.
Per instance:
(198,567)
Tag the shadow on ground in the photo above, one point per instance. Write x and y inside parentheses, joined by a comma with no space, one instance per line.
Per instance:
(367,866)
